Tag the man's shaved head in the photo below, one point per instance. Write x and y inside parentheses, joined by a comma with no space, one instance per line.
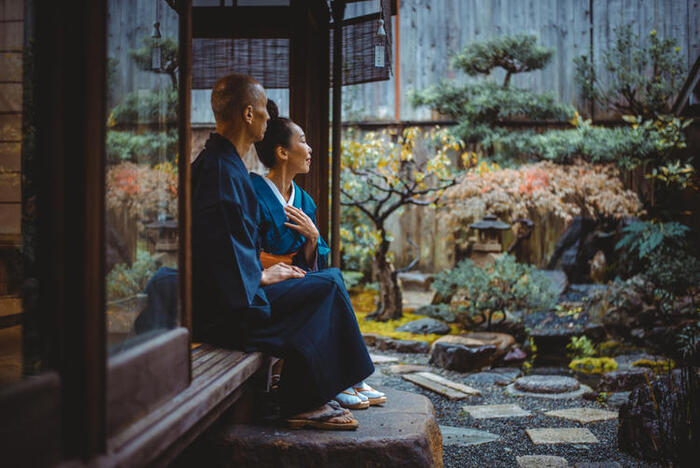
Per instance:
(233,93)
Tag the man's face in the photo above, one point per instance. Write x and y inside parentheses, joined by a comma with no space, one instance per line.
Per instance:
(260,117)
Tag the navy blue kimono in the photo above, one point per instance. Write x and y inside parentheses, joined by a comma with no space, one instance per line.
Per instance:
(277,238)
(308,321)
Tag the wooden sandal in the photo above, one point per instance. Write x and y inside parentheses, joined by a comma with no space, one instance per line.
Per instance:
(321,421)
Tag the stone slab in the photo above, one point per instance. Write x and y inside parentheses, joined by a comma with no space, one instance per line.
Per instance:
(449,383)
(511,390)
(377,359)
(464,437)
(583,415)
(407,368)
(495,411)
(547,384)
(404,432)
(433,386)
(541,461)
(559,435)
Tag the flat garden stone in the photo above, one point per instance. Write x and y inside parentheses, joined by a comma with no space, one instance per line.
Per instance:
(582,390)
(502,341)
(583,415)
(541,461)
(495,411)
(559,435)
(489,378)
(425,326)
(510,372)
(407,368)
(377,359)
(547,384)
(464,437)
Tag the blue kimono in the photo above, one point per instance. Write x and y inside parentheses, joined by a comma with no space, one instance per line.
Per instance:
(277,238)
(307,321)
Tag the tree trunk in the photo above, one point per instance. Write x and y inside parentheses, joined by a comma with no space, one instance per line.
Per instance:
(390,301)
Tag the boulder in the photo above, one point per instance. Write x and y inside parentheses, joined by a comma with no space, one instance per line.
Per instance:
(655,423)
(514,356)
(623,380)
(502,341)
(461,358)
(402,346)
(425,326)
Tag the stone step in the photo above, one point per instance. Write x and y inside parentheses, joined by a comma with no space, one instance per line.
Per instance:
(404,432)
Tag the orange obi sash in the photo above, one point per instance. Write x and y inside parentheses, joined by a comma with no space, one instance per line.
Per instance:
(269,259)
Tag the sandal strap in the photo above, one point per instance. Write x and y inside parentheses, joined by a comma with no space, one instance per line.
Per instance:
(349,393)
(326,415)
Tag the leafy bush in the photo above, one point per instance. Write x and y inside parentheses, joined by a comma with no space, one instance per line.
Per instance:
(140,148)
(644,237)
(482,294)
(125,281)
(146,107)
(580,347)
(144,191)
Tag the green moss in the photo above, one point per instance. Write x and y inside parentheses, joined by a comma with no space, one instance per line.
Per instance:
(657,366)
(591,365)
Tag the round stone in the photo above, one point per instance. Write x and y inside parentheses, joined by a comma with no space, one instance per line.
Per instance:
(546,384)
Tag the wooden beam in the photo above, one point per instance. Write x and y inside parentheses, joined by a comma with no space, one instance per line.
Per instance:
(248,22)
(338,14)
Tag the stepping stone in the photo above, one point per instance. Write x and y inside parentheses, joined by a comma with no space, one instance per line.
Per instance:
(583,415)
(547,384)
(407,368)
(377,359)
(489,378)
(463,437)
(541,461)
(442,386)
(557,435)
(402,433)
(495,411)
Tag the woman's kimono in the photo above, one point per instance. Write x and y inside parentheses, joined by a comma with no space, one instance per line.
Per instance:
(307,321)
(278,239)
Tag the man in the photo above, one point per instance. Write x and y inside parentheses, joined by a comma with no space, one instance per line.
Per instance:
(305,318)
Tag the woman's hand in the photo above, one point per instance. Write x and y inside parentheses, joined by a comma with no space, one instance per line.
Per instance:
(301,223)
(280,272)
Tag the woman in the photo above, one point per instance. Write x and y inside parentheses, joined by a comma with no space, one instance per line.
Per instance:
(288,219)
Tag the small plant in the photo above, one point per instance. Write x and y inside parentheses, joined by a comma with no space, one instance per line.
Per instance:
(591,365)
(641,238)
(481,295)
(125,281)
(580,347)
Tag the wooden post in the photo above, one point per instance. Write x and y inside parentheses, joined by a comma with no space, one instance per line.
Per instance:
(338,14)
(397,64)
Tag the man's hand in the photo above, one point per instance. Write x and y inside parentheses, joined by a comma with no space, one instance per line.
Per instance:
(280,272)
(301,223)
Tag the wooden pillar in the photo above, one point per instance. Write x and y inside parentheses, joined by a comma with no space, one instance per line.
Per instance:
(338,14)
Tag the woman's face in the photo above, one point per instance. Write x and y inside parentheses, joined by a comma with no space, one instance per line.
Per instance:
(298,152)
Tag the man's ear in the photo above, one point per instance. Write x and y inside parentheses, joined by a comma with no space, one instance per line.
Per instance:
(248,114)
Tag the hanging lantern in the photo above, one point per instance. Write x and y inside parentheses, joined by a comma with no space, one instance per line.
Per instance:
(380,46)
(156,56)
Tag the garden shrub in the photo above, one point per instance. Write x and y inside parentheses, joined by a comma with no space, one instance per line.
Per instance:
(148,148)
(482,294)
(125,281)
(580,347)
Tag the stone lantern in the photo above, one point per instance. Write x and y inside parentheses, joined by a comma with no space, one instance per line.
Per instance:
(163,241)
(488,239)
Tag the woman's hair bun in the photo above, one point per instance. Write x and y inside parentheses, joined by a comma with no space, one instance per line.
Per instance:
(272,109)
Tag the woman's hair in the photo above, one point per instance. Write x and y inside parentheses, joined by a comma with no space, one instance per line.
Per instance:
(278,133)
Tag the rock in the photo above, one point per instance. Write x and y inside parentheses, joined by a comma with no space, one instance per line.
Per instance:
(461,358)
(583,415)
(378,359)
(425,326)
(553,371)
(436,312)
(626,361)
(464,437)
(515,355)
(370,338)
(552,340)
(558,279)
(581,292)
(546,384)
(402,346)
(489,378)
(541,461)
(416,280)
(501,341)
(650,426)
(510,372)
(407,368)
(495,411)
(404,433)
(594,331)
(617,399)
(621,380)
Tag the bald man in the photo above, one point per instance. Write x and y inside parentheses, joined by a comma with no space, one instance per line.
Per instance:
(304,317)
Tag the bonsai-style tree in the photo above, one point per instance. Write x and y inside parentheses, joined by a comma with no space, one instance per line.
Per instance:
(379,178)
(480,106)
(642,80)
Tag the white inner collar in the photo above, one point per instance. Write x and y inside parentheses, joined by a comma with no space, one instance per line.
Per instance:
(278,195)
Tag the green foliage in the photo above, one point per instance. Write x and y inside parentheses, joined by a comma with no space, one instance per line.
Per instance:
(125,281)
(146,107)
(580,347)
(643,237)
(352,278)
(143,56)
(591,365)
(643,79)
(148,147)
(358,241)
(674,175)
(494,290)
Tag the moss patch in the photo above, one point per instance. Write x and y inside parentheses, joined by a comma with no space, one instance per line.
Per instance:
(658,367)
(593,365)
(365,302)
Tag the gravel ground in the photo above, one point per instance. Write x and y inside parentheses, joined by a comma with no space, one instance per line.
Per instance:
(513,440)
